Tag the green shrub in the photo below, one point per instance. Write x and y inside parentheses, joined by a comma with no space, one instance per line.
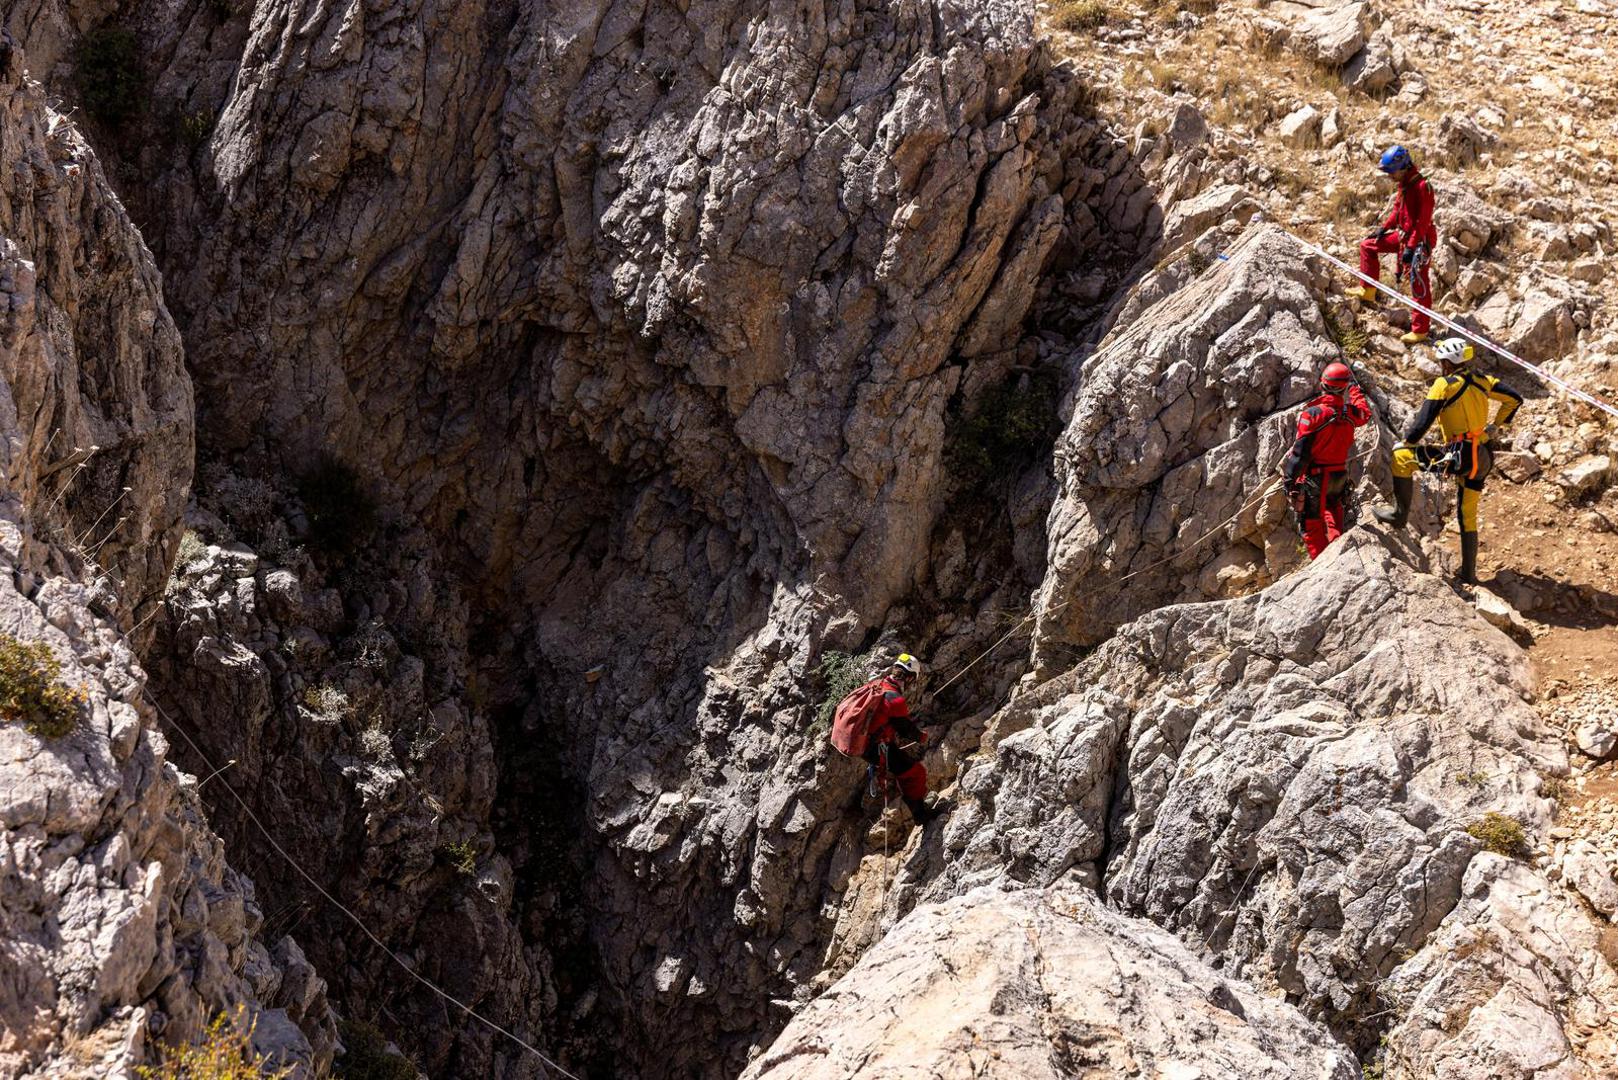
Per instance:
(342,513)
(225,1053)
(192,128)
(1078,15)
(366,1056)
(107,71)
(1472,779)
(462,855)
(838,674)
(1013,426)
(1500,834)
(30,694)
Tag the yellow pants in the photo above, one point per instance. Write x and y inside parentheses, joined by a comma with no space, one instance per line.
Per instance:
(1469,490)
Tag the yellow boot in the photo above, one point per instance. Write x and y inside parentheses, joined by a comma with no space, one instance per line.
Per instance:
(1413,338)
(1362,293)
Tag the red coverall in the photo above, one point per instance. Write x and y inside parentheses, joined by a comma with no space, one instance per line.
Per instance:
(1408,224)
(1318,463)
(892,720)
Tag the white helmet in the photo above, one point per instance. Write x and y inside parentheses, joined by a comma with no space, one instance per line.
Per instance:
(908,664)
(1454,350)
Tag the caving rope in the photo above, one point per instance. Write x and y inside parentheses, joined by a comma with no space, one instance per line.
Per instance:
(1474,338)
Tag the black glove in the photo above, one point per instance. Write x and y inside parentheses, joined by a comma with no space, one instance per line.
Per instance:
(1407,256)
(1377,234)
(1295,496)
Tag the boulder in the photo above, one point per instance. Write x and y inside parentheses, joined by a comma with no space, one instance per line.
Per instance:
(1301,128)
(1587,870)
(1595,739)
(1043,984)
(1498,612)
(1371,70)
(1330,36)
(1189,218)
(1516,466)
(1461,139)
(1585,476)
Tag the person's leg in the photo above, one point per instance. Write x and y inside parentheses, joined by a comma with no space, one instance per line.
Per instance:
(1421,291)
(1371,252)
(1331,506)
(1406,460)
(1314,526)
(911,776)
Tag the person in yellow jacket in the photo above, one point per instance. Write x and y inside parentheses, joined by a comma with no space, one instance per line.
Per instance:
(1459,401)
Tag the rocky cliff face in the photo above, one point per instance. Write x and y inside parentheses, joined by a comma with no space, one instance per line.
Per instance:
(569,384)
(648,348)
(121,923)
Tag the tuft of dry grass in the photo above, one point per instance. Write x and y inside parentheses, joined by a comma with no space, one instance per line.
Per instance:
(1076,16)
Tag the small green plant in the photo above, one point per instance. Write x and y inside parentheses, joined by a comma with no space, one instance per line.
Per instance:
(30,691)
(342,512)
(107,71)
(1197,261)
(225,1053)
(1472,779)
(224,10)
(1013,426)
(1076,15)
(366,1056)
(192,128)
(1554,788)
(838,674)
(462,856)
(1500,834)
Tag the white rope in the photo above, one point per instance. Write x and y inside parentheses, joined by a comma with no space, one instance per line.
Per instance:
(355,919)
(1476,339)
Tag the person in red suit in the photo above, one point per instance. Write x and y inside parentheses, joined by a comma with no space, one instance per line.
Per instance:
(1316,468)
(1408,232)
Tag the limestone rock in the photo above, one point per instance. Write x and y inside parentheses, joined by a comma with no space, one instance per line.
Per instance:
(1026,984)
(122,921)
(1499,613)
(1461,139)
(1330,36)
(1587,475)
(1244,766)
(1514,985)
(1517,466)
(1176,429)
(1595,739)
(1301,128)
(99,392)
(1585,869)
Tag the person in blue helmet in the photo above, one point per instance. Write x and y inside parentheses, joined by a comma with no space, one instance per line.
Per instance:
(1408,232)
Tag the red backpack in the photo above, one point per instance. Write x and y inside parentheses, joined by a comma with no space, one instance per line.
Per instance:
(852,725)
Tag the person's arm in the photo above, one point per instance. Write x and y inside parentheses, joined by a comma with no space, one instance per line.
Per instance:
(1509,401)
(1437,398)
(1298,457)
(1421,213)
(1357,408)
(897,712)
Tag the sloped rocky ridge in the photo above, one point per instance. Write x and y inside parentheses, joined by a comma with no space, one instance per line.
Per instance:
(646,330)
(120,918)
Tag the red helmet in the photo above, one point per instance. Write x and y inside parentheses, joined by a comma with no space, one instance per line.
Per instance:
(1336,377)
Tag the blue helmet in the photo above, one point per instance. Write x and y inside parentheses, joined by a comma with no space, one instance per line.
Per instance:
(1396,158)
